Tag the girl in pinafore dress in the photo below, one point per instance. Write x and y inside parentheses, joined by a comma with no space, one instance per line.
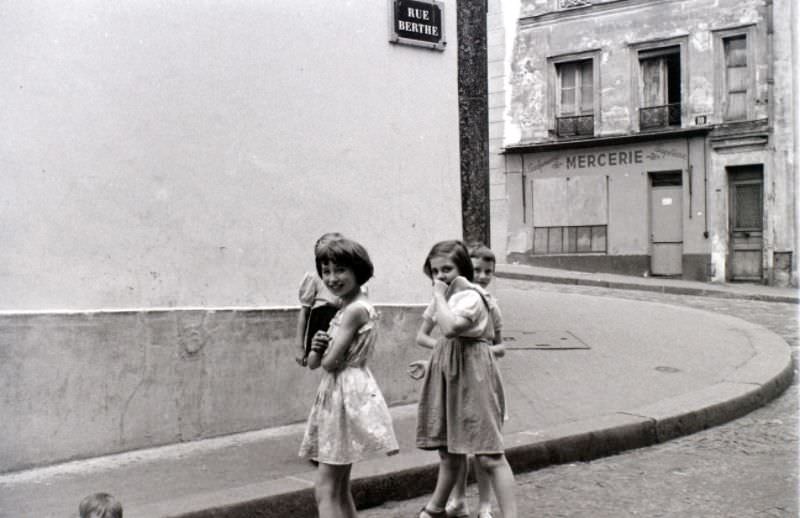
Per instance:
(462,403)
(349,419)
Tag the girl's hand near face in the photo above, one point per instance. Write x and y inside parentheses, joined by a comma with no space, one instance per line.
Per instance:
(440,288)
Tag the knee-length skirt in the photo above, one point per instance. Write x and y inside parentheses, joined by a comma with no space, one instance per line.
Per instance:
(462,402)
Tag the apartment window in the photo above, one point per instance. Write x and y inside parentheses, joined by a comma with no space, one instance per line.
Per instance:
(736,78)
(660,88)
(575,98)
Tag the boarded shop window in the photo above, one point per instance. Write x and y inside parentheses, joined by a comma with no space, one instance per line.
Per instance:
(570,215)
(736,77)
(570,240)
(570,202)
(575,98)
(661,88)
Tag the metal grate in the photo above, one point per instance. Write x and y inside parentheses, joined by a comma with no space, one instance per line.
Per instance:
(748,206)
(542,340)
(577,125)
(660,116)
(568,4)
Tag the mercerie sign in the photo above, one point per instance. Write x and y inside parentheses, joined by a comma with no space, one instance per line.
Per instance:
(416,22)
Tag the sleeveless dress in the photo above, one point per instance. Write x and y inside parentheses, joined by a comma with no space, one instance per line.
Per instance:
(462,402)
(349,419)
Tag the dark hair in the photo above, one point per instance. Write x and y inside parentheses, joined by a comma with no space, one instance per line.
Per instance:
(345,252)
(480,251)
(100,505)
(328,236)
(457,251)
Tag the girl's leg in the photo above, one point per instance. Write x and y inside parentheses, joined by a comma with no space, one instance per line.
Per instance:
(458,496)
(347,496)
(449,464)
(484,489)
(332,480)
(502,478)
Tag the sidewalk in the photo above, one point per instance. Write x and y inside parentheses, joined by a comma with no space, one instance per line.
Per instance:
(750,291)
(585,377)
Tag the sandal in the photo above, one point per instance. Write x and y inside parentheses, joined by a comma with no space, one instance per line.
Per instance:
(425,513)
(460,511)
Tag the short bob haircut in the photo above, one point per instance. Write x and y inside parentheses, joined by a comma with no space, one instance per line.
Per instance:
(328,236)
(457,252)
(100,505)
(478,250)
(345,252)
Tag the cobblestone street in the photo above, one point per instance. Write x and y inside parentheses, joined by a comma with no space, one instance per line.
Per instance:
(745,468)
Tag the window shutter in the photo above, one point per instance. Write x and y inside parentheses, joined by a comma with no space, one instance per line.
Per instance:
(587,88)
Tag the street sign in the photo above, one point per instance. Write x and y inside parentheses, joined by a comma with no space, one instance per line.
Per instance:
(416,22)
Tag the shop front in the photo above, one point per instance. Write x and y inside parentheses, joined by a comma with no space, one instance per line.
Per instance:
(630,205)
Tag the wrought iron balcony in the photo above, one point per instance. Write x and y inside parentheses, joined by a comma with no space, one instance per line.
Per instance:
(660,116)
(567,4)
(573,126)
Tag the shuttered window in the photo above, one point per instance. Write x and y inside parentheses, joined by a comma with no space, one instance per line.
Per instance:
(736,78)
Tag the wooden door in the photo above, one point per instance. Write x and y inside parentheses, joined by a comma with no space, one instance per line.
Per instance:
(746,224)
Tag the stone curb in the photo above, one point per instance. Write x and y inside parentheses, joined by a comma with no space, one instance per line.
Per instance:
(672,290)
(764,377)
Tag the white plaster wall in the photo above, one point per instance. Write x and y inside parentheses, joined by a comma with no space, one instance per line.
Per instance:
(160,154)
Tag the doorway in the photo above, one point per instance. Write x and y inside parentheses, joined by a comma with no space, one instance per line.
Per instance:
(746,223)
(666,223)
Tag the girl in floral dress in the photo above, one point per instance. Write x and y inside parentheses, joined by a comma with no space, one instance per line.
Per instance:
(349,419)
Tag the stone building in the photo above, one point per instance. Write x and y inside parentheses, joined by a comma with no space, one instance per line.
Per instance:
(646,137)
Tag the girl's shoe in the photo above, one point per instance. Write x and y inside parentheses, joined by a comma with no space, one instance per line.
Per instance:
(425,513)
(457,511)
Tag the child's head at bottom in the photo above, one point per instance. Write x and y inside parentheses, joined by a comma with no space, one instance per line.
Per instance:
(344,253)
(454,258)
(100,505)
(483,263)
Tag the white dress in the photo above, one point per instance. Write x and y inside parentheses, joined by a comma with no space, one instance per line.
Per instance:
(349,419)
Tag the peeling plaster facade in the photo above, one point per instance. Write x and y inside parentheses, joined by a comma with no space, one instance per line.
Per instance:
(568,188)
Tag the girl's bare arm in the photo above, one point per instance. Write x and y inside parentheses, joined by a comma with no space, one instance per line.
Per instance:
(302,322)
(353,317)
(497,346)
(424,337)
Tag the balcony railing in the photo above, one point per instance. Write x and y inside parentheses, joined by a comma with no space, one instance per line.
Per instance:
(568,4)
(573,126)
(660,116)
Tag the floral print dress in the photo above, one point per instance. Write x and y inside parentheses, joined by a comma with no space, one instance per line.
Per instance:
(349,419)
